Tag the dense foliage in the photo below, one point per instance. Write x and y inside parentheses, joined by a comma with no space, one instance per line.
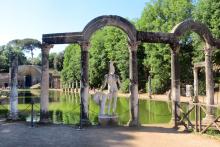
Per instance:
(208,12)
(71,64)
(162,16)
(56,60)
(12,48)
(110,43)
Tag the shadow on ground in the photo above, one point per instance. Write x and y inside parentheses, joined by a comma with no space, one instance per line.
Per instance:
(22,135)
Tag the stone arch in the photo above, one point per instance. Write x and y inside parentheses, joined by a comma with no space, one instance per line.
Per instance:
(197,27)
(129,29)
(205,34)
(110,20)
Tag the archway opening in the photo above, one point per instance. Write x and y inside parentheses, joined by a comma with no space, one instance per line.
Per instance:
(178,31)
(192,58)
(110,44)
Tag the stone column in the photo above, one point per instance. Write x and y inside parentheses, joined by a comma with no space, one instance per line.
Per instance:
(84,82)
(133,75)
(13,87)
(175,79)
(65,85)
(73,87)
(69,87)
(196,84)
(76,86)
(149,87)
(55,83)
(44,98)
(209,83)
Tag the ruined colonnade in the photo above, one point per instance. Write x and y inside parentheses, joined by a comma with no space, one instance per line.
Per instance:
(134,38)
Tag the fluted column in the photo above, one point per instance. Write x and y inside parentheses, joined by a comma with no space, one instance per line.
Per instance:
(44,97)
(84,82)
(175,79)
(133,75)
(209,83)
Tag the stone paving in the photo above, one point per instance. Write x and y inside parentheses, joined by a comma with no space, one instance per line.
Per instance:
(22,135)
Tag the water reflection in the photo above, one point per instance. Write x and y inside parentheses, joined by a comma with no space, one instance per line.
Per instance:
(65,108)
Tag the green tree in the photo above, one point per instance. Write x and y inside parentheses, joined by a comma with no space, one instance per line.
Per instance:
(59,60)
(208,12)
(107,44)
(56,58)
(4,59)
(143,71)
(5,51)
(71,64)
(161,16)
(52,60)
(29,45)
(98,62)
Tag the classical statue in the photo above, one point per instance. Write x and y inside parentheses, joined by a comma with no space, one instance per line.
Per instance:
(111,79)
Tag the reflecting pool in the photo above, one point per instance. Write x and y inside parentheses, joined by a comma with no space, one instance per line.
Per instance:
(64,108)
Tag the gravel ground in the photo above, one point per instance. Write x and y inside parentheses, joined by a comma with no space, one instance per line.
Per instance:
(22,135)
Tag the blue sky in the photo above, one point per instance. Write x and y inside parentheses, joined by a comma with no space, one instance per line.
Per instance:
(32,18)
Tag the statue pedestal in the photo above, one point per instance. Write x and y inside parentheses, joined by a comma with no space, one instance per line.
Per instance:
(108,120)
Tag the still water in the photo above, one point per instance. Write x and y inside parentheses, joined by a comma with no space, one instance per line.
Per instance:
(64,108)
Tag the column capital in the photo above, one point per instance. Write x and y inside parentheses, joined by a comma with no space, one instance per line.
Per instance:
(133,45)
(84,45)
(196,68)
(46,47)
(175,47)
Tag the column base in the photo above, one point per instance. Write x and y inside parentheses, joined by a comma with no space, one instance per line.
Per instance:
(134,123)
(85,122)
(44,117)
(173,124)
(108,120)
(13,116)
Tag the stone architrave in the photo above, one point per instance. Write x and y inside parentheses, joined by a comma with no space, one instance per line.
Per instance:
(133,75)
(44,98)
